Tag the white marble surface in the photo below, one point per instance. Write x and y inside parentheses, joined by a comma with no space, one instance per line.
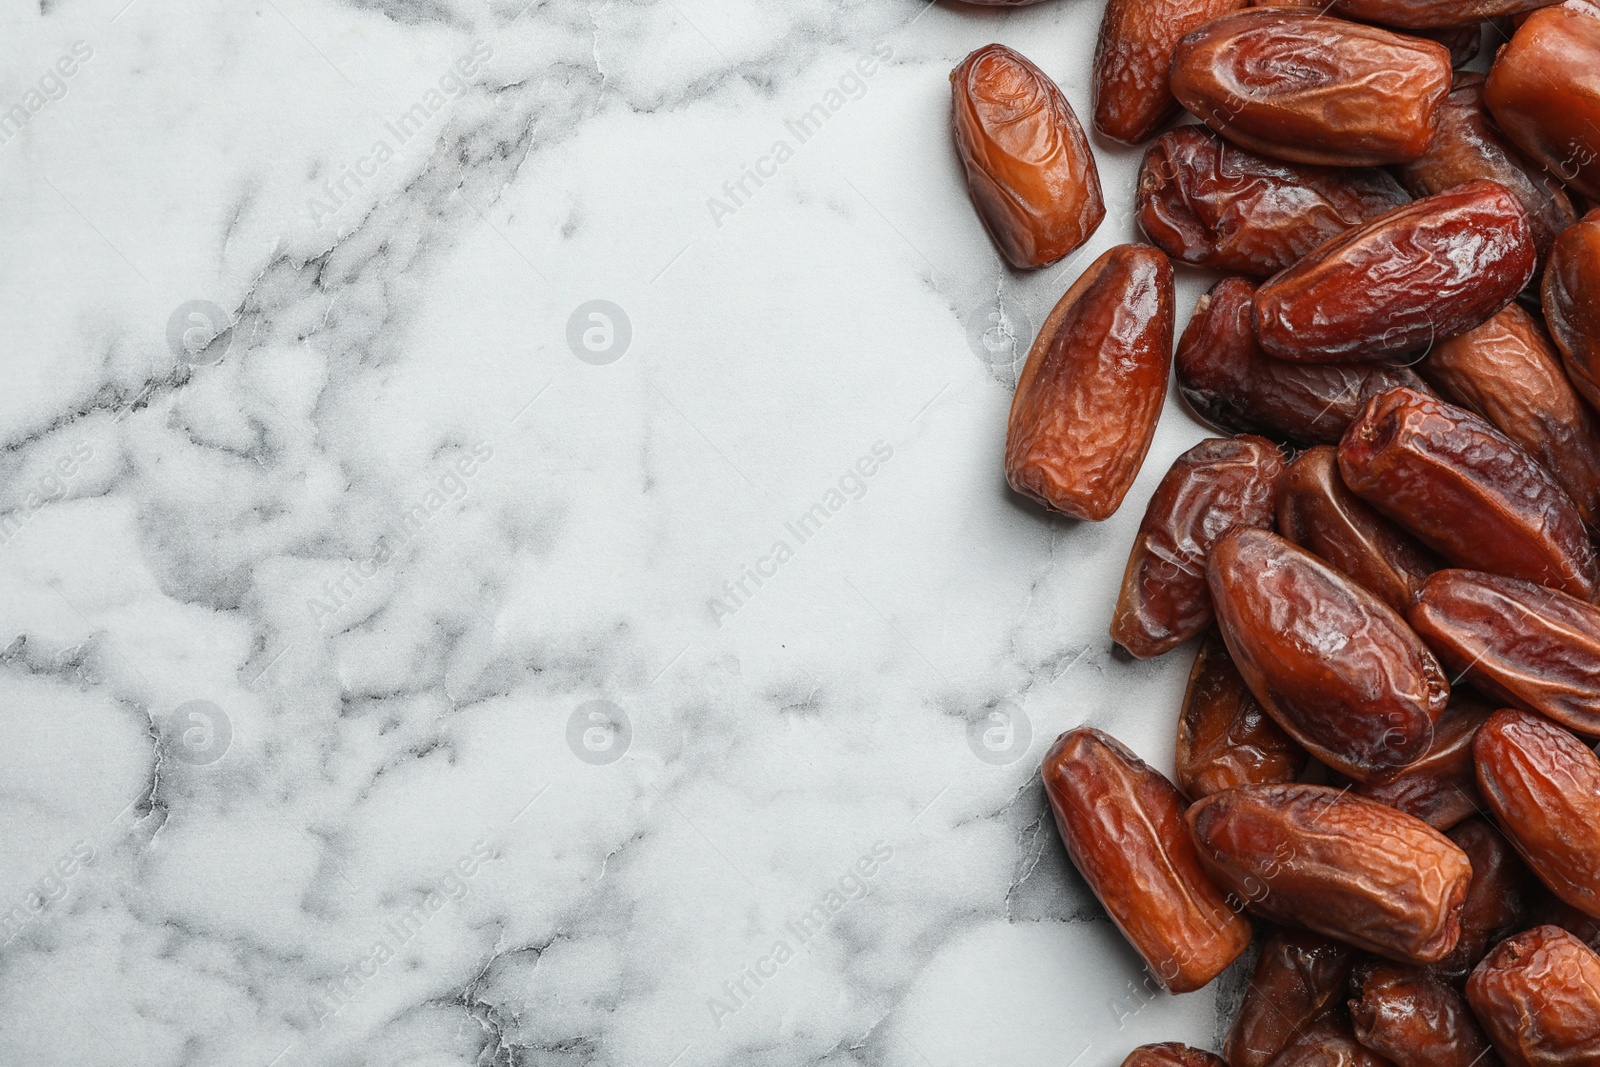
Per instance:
(397,538)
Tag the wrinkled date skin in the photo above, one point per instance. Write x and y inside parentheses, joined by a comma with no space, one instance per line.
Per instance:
(1415,1019)
(1229,382)
(1090,393)
(1407,279)
(1529,645)
(1571,279)
(1299,977)
(1029,169)
(1220,483)
(1297,85)
(1336,863)
(1133,57)
(1171,1054)
(1320,514)
(1329,1043)
(1543,787)
(1508,372)
(1463,489)
(1499,900)
(1538,998)
(1466,146)
(1441,788)
(1335,666)
(1543,93)
(1207,202)
(1122,824)
(1224,737)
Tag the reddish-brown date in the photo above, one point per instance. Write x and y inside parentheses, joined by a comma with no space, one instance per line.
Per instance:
(1571,279)
(1538,998)
(1122,824)
(1543,93)
(1462,41)
(1224,737)
(1335,666)
(1330,1042)
(1220,483)
(1090,393)
(1171,1054)
(1320,514)
(1553,911)
(1298,978)
(1508,372)
(1414,1018)
(1543,787)
(1208,202)
(1029,169)
(1463,489)
(1527,644)
(1295,84)
(1499,900)
(1441,788)
(1229,382)
(1132,58)
(1432,14)
(1410,277)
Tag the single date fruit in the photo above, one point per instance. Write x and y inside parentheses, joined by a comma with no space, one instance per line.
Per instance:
(1538,998)
(1171,1054)
(1299,978)
(1433,14)
(1224,737)
(1543,93)
(1414,1018)
(1571,279)
(1133,57)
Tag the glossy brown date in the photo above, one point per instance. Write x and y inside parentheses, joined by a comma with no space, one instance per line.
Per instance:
(1499,900)
(1298,978)
(1542,93)
(1207,202)
(1122,824)
(1028,165)
(1463,489)
(1463,42)
(1317,512)
(1297,85)
(1329,1043)
(1132,58)
(1220,483)
(1089,395)
(1229,382)
(1171,1054)
(1403,281)
(1526,644)
(1538,998)
(1508,372)
(1414,1018)
(1432,14)
(1335,666)
(1224,737)
(1441,788)
(1336,863)
(1571,279)
(1543,787)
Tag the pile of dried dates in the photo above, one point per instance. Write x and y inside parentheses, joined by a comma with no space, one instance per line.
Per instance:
(1384,767)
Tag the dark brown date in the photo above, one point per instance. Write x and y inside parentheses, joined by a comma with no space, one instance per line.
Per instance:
(1527,644)
(1571,279)
(1553,911)
(1317,512)
(1295,84)
(1336,863)
(1538,998)
(1335,666)
(1441,788)
(1029,169)
(1298,978)
(1542,93)
(1220,483)
(1132,58)
(1090,393)
(1329,1043)
(1229,382)
(1171,1054)
(1432,14)
(1463,489)
(1543,787)
(1499,900)
(1403,281)
(1414,1018)
(1207,202)
(1463,42)
(1122,824)
(1224,738)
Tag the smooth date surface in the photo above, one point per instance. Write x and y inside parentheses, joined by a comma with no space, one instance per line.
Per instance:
(1132,58)
(1571,279)
(1543,93)
(1299,977)
(1224,737)
(1538,997)
(1414,1018)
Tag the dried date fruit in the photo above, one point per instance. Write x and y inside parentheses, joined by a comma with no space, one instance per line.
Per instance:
(1029,169)
(1414,1018)
(1543,787)
(1499,900)
(1295,84)
(1538,998)
(1317,512)
(1441,788)
(1299,978)
(1529,645)
(1553,911)
(1433,14)
(1170,1054)
(1463,41)
(1122,824)
(1335,666)
(1220,483)
(1571,279)
(1543,94)
(1224,737)
(1133,57)
(1329,1043)
(1229,382)
(1207,202)
(1411,277)
(1336,863)
(1508,372)
(1089,395)
(1463,489)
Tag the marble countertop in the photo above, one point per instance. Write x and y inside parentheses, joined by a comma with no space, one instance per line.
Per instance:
(504,553)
